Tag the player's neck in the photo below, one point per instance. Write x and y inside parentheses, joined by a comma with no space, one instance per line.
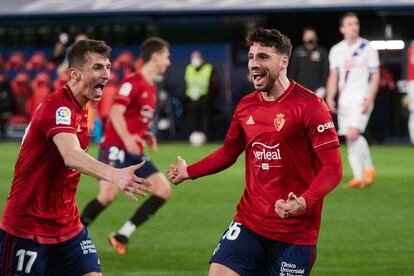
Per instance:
(78,92)
(280,86)
(351,40)
(148,72)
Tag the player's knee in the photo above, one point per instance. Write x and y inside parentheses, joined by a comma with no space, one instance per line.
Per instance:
(164,191)
(161,186)
(108,197)
(352,135)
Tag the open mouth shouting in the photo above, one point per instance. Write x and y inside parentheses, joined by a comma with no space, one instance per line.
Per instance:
(259,78)
(99,89)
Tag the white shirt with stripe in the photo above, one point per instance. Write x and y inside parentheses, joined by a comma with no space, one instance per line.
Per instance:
(360,62)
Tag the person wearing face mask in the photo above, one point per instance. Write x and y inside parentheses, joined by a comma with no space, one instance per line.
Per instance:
(309,64)
(201,84)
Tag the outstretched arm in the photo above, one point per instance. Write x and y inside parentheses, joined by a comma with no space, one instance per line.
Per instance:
(75,158)
(217,161)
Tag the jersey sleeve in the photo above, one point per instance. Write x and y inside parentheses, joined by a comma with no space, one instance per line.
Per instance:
(58,118)
(328,177)
(236,132)
(319,126)
(333,61)
(373,60)
(125,93)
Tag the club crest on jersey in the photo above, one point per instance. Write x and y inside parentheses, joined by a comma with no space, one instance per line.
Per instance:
(145,95)
(279,121)
(63,116)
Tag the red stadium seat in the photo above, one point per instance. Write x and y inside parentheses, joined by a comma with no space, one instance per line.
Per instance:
(42,87)
(60,81)
(125,58)
(37,61)
(20,86)
(22,91)
(16,61)
(125,62)
(1,61)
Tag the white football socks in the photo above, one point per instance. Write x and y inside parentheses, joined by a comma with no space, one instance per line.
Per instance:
(127,229)
(355,160)
(359,157)
(411,126)
(366,155)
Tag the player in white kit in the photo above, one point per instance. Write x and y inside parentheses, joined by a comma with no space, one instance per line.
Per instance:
(410,90)
(354,74)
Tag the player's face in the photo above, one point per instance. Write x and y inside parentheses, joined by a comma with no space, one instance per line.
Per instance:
(163,60)
(309,35)
(95,75)
(265,66)
(350,27)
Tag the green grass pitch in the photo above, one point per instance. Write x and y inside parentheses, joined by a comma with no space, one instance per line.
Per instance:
(363,232)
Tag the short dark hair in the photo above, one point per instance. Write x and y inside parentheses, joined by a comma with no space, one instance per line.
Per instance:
(348,14)
(309,28)
(152,45)
(270,38)
(77,51)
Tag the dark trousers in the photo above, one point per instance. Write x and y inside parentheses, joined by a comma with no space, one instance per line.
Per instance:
(197,113)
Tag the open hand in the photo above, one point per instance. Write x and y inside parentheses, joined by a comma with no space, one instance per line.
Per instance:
(129,183)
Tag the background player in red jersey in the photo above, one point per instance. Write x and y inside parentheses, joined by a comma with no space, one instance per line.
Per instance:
(41,233)
(292,162)
(125,137)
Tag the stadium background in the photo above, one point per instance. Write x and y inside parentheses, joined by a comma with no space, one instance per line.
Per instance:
(364,232)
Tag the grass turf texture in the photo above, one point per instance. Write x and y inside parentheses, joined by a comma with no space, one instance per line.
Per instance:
(363,232)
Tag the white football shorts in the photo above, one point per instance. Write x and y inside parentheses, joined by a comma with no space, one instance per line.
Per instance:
(351,116)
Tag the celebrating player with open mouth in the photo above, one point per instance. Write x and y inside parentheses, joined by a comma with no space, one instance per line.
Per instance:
(41,232)
(292,162)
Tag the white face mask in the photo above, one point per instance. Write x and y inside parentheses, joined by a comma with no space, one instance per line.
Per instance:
(196,62)
(63,38)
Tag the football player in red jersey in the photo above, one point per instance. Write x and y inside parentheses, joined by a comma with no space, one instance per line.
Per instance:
(292,162)
(41,232)
(125,136)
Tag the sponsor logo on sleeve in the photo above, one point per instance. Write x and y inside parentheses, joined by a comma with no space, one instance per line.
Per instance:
(63,116)
(125,89)
(322,127)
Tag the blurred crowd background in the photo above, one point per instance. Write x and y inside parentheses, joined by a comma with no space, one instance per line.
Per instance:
(35,34)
